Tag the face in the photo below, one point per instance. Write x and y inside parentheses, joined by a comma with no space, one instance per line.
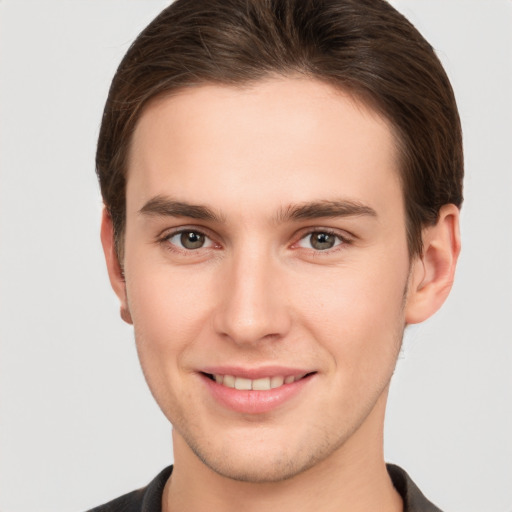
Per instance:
(266,270)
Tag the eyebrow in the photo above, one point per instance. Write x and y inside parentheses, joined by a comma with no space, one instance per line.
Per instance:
(163,206)
(325,209)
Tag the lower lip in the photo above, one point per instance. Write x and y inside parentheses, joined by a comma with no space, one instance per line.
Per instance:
(254,402)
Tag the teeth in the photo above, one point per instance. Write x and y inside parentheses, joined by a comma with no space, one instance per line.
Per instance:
(263,384)
(276,382)
(241,383)
(228,381)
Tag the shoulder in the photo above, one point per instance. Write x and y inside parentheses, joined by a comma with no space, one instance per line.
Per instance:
(131,502)
(414,500)
(147,499)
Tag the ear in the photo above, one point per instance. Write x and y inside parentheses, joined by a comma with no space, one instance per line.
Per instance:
(114,268)
(432,272)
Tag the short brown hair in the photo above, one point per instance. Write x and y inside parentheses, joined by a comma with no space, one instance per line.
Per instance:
(364,47)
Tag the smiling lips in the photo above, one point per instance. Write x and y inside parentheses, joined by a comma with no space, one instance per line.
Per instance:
(254,392)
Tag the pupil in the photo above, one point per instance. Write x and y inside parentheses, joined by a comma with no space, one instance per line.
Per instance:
(322,241)
(192,240)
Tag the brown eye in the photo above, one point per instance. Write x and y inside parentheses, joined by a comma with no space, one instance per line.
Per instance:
(189,239)
(192,239)
(320,241)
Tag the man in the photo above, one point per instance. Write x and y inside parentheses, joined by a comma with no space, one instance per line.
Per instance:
(282,182)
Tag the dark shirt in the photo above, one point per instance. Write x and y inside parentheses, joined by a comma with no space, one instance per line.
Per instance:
(149,499)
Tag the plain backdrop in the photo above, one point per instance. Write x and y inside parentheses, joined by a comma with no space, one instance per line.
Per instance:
(77,423)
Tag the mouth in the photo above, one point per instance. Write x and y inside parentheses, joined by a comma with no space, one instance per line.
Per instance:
(257,390)
(259,384)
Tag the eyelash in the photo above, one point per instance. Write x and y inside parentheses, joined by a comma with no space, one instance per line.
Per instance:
(165,240)
(343,240)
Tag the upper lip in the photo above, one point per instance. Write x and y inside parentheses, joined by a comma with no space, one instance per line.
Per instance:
(256,372)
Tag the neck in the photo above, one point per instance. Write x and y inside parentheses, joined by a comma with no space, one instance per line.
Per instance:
(352,478)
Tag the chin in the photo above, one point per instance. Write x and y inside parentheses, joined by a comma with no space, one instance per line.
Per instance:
(260,463)
(253,470)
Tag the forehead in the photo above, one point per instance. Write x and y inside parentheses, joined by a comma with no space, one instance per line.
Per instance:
(289,139)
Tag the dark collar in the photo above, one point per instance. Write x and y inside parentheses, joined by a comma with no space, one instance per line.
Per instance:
(149,499)
(413,498)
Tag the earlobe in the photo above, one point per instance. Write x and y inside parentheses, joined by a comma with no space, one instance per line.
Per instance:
(433,272)
(114,268)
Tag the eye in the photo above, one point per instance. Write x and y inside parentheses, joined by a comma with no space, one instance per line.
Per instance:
(320,241)
(189,240)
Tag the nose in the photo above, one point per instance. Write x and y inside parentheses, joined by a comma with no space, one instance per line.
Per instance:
(252,306)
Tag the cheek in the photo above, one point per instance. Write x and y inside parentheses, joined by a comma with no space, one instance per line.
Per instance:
(357,313)
(168,317)
(168,309)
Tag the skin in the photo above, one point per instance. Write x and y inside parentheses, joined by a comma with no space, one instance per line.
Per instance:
(258,292)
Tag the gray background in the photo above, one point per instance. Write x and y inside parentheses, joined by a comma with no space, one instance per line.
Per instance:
(77,423)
